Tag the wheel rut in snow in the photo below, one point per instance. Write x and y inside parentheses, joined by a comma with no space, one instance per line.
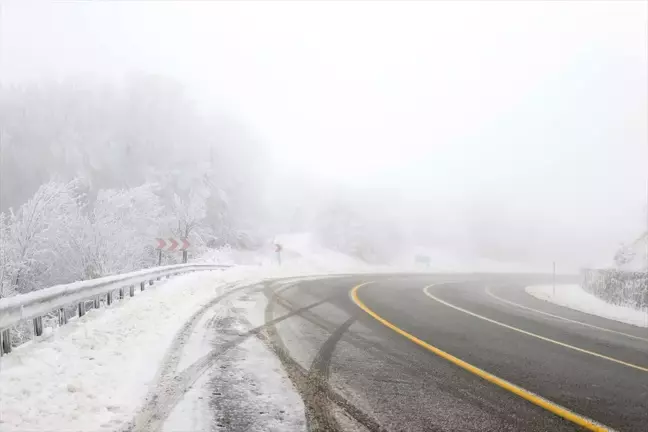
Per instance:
(320,415)
(172,386)
(313,384)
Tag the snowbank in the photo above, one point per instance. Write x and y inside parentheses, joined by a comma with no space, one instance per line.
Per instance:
(92,373)
(574,297)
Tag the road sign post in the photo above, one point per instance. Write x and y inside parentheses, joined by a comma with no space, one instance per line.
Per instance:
(172,246)
(423,260)
(554,279)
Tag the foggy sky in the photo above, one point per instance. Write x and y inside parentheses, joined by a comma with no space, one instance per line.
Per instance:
(532,113)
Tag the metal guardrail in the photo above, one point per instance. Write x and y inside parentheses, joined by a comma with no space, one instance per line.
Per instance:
(36,304)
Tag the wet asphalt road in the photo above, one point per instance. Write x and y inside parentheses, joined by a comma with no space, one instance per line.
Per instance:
(354,373)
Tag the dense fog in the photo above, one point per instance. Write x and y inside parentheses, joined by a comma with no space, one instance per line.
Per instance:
(519,136)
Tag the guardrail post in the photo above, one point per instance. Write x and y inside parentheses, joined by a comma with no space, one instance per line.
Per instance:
(97,302)
(82,309)
(109,298)
(142,285)
(38,326)
(62,317)
(132,290)
(151,282)
(121,293)
(5,341)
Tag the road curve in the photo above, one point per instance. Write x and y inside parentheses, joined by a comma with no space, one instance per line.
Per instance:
(350,358)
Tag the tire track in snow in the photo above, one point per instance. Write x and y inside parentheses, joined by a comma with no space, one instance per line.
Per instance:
(172,387)
(317,383)
(173,354)
(371,347)
(314,388)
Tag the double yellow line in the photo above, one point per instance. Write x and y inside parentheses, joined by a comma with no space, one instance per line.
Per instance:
(525,394)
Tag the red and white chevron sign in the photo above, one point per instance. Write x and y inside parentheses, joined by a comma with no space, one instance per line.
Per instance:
(173,244)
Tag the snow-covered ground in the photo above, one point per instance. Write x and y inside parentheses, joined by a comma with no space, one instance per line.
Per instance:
(247,388)
(95,373)
(301,255)
(574,297)
(92,373)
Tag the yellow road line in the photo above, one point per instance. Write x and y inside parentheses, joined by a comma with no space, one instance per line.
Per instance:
(634,366)
(490,293)
(525,394)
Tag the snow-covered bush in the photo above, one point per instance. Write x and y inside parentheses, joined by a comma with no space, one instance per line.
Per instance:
(618,287)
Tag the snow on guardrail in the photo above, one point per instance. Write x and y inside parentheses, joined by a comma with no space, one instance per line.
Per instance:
(35,304)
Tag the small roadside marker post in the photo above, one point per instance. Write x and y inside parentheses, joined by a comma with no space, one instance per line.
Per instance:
(185,252)
(160,245)
(278,249)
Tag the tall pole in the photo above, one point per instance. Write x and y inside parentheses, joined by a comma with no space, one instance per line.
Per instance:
(646,233)
(554,278)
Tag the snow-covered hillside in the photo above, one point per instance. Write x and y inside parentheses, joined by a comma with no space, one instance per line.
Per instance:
(300,254)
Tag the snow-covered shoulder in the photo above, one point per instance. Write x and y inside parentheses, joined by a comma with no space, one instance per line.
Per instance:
(94,373)
(574,297)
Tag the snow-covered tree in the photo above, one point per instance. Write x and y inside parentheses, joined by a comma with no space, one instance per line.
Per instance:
(360,225)
(187,213)
(6,258)
(119,227)
(37,232)
(119,137)
(152,165)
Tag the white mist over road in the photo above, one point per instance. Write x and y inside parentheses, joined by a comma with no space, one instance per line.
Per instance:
(509,129)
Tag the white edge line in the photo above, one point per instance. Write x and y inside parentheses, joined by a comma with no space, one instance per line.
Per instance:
(490,293)
(548,401)
(641,368)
